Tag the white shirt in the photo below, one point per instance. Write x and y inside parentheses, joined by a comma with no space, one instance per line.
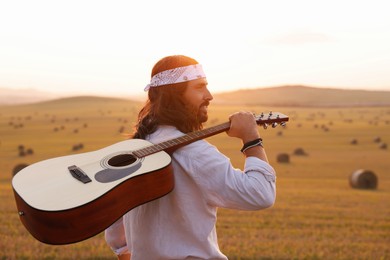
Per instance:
(181,225)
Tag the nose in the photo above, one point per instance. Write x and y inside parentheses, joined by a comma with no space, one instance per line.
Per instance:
(208,95)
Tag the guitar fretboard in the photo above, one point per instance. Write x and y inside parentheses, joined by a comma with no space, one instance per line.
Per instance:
(173,144)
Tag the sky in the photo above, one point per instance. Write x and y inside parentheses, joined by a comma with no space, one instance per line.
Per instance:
(109,47)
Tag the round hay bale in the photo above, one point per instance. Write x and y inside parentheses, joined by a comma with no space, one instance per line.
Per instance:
(363,179)
(283,158)
(377,139)
(18,168)
(300,151)
(383,146)
(77,147)
(354,141)
(22,153)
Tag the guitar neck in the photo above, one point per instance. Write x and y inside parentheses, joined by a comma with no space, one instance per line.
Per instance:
(172,145)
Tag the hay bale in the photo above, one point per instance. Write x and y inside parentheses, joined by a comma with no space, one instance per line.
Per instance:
(383,146)
(377,139)
(18,168)
(325,129)
(354,141)
(283,158)
(77,147)
(300,151)
(363,179)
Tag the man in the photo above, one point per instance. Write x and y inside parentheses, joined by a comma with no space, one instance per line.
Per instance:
(181,225)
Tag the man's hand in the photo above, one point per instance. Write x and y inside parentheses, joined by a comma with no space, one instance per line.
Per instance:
(243,125)
(124,257)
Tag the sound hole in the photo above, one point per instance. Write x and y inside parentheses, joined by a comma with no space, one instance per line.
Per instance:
(121,160)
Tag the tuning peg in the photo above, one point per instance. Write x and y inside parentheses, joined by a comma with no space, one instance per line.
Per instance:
(265,125)
(274,124)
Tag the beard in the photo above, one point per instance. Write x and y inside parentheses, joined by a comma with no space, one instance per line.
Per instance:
(202,114)
(198,115)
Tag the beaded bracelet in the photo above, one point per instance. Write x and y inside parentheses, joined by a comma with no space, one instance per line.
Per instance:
(256,142)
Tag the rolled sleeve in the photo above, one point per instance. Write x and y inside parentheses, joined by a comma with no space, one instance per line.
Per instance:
(254,164)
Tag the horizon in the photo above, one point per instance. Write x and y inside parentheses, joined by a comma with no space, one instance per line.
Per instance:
(110,49)
(47,95)
(291,95)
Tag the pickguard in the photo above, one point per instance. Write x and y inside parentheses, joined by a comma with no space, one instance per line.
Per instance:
(113,174)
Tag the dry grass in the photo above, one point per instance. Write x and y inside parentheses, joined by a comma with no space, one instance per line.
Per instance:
(316,216)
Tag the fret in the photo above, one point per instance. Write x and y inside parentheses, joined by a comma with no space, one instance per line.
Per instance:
(149,149)
(172,142)
(138,153)
(163,145)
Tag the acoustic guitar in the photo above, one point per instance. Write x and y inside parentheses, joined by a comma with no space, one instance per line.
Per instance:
(71,198)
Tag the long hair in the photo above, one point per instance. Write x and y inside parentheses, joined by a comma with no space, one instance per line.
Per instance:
(165,104)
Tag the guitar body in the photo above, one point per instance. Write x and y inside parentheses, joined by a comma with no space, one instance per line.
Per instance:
(71,198)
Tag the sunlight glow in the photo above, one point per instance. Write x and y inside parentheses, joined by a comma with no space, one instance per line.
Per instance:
(110,47)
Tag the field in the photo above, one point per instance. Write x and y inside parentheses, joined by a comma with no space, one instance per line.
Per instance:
(317,214)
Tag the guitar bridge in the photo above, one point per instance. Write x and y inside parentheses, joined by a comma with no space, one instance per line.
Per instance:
(78,174)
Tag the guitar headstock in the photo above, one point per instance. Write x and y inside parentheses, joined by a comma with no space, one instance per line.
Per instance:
(273,118)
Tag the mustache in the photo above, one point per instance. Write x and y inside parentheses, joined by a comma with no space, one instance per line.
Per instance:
(206,103)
